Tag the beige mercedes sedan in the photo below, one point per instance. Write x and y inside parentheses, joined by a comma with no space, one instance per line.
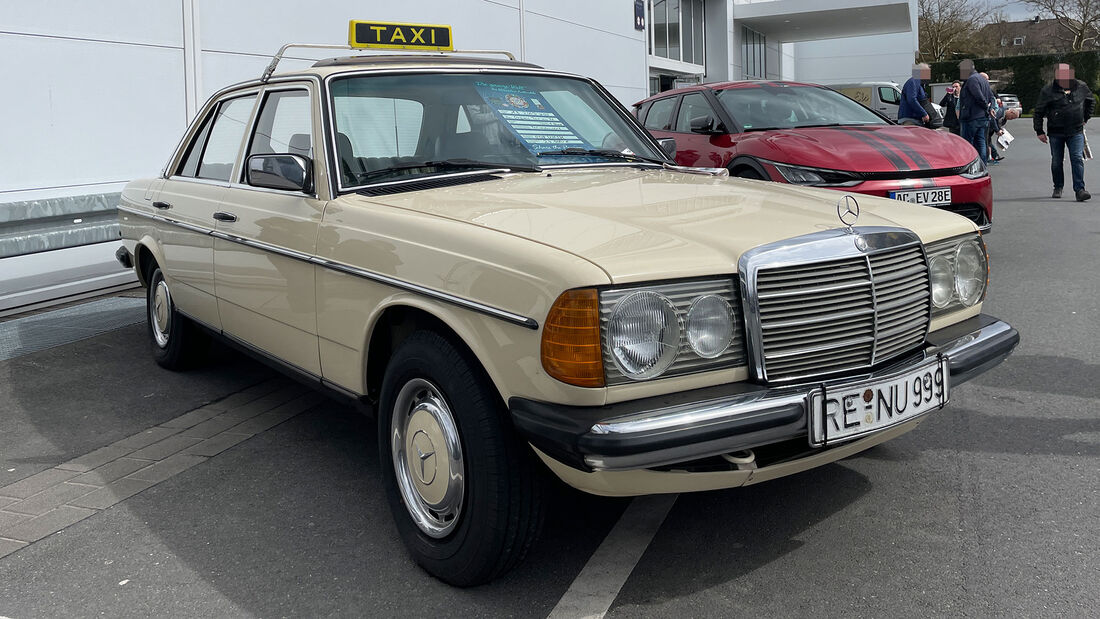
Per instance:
(516,278)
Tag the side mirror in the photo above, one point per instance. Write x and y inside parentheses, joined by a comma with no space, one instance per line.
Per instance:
(286,172)
(703,124)
(669,146)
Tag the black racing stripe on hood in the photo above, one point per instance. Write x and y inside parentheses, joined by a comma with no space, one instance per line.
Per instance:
(882,148)
(906,149)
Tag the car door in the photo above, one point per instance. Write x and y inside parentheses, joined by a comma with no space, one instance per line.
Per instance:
(187,201)
(700,149)
(265,237)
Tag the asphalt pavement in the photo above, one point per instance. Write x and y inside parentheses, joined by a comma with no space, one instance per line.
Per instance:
(990,508)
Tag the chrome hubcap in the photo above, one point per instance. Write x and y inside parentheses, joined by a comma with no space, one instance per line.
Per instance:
(161,313)
(427,457)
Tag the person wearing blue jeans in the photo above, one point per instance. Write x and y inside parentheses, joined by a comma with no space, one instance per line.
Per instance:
(1076,144)
(974,131)
(975,102)
(1066,105)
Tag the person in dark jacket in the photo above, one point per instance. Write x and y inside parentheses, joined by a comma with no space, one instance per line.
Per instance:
(975,103)
(996,123)
(911,110)
(950,105)
(1066,104)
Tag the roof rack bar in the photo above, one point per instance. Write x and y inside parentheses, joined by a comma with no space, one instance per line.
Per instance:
(282,50)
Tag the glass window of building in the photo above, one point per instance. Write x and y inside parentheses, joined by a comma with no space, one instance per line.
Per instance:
(673,29)
(676,30)
(659,23)
(697,30)
(753,54)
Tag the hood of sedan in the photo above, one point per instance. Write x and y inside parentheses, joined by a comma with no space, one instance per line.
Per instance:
(642,224)
(871,148)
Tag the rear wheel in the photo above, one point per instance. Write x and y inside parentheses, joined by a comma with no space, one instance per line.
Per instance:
(462,487)
(176,341)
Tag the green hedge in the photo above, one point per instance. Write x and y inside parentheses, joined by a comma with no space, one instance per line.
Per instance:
(1025,76)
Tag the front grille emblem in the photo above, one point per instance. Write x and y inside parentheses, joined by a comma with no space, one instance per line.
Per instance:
(848,210)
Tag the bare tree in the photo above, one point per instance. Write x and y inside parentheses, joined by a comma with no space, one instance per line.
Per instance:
(1078,19)
(943,25)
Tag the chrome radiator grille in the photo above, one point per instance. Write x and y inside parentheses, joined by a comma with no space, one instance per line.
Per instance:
(846,314)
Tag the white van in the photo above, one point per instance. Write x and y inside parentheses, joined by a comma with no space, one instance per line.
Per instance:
(882,97)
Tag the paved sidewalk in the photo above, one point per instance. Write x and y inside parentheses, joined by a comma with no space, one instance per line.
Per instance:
(49,501)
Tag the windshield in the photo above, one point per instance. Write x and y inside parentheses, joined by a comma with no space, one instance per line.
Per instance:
(757,108)
(391,127)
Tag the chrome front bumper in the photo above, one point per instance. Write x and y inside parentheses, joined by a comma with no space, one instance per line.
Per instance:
(707,422)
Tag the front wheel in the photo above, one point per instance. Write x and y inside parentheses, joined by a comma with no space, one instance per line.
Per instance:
(462,486)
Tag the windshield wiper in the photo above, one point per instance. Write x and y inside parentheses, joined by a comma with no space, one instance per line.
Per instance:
(601,152)
(448,164)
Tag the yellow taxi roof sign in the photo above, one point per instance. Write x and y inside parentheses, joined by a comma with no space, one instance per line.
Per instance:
(388,35)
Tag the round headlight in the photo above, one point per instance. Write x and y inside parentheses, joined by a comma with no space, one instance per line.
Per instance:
(971,271)
(943,281)
(643,333)
(709,326)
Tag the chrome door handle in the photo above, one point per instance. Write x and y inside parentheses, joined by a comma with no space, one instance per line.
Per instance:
(221,216)
(161,205)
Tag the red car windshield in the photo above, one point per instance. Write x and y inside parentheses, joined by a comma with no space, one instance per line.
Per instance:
(760,108)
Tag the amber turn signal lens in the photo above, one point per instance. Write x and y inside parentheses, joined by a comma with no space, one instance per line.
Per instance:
(571,349)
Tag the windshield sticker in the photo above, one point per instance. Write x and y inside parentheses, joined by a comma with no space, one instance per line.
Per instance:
(530,117)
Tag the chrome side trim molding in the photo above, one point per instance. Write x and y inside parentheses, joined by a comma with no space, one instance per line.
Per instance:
(393,282)
(446,297)
(275,249)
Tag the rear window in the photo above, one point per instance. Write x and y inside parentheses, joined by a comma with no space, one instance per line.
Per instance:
(660,114)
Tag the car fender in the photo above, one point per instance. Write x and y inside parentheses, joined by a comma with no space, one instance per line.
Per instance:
(742,161)
(471,329)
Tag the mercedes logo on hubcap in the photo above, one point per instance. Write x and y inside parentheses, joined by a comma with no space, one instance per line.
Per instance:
(848,210)
(425,452)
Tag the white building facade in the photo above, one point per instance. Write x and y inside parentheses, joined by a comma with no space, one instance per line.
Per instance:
(106,88)
(833,42)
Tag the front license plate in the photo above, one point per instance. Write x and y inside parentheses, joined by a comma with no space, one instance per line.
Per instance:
(845,412)
(932,197)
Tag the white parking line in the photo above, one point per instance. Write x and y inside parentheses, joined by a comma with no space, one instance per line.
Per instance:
(598,584)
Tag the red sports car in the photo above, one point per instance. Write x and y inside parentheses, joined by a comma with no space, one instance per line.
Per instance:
(806,134)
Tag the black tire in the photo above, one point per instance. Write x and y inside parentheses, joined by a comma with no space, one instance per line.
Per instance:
(177,343)
(500,508)
(749,173)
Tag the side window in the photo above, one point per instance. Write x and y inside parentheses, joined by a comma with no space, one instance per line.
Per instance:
(692,106)
(888,95)
(284,125)
(190,165)
(224,143)
(660,114)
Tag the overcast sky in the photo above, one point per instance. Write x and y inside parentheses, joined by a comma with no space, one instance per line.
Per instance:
(1018,11)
